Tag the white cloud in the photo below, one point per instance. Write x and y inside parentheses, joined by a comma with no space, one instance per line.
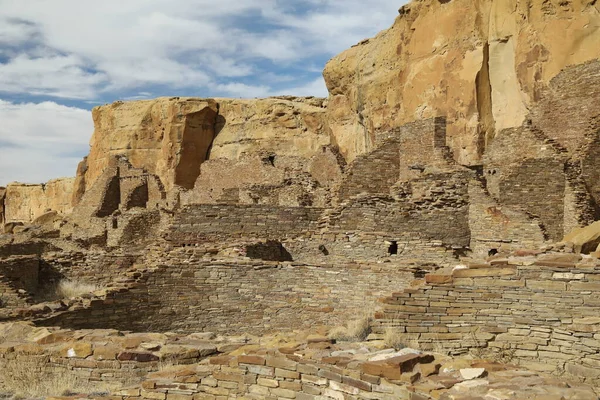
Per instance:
(315,88)
(41,141)
(95,48)
(54,75)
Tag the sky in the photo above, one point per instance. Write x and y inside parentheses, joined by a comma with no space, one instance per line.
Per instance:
(60,58)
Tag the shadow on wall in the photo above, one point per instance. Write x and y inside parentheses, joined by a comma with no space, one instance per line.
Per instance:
(271,250)
(196,144)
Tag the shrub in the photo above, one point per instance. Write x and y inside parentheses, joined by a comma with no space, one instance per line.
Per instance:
(393,338)
(354,331)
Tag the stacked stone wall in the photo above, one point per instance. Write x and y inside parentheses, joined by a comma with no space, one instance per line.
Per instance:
(200,223)
(190,294)
(540,313)
(18,277)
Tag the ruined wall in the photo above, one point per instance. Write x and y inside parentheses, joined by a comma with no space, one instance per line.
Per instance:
(434,206)
(403,153)
(495,226)
(542,313)
(19,278)
(566,112)
(96,362)
(204,223)
(25,202)
(190,294)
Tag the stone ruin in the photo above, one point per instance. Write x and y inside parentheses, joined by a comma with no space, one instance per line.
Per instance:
(441,189)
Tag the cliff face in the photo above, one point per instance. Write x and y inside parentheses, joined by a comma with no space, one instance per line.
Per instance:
(481,63)
(166,137)
(283,126)
(25,202)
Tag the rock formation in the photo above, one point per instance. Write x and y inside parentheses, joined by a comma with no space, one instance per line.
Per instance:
(481,63)
(455,149)
(25,202)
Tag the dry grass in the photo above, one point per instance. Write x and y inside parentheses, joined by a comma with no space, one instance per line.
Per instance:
(29,378)
(67,289)
(393,338)
(33,377)
(354,331)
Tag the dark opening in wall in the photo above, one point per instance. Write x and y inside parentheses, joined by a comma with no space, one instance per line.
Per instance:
(271,250)
(492,252)
(323,250)
(393,249)
(270,159)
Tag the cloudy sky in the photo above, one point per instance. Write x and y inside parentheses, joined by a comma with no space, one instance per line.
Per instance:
(60,58)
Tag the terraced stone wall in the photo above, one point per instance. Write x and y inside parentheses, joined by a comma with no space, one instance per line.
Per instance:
(542,313)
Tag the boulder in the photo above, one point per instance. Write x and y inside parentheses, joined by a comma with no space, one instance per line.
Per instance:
(585,240)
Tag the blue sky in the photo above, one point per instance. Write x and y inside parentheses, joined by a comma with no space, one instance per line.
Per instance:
(60,58)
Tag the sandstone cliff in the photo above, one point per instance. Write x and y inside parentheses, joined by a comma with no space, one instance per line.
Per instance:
(168,137)
(481,63)
(286,126)
(25,202)
(171,137)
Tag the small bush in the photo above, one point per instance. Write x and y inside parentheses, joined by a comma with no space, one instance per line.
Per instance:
(355,331)
(393,338)
(67,289)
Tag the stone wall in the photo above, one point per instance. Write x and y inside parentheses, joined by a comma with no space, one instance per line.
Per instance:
(201,223)
(434,206)
(495,226)
(19,278)
(190,294)
(540,312)
(98,362)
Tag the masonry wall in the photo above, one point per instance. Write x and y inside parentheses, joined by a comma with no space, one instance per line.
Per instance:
(19,277)
(434,206)
(496,226)
(204,222)
(190,295)
(543,316)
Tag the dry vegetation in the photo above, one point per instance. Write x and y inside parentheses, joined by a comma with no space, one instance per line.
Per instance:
(354,331)
(27,378)
(67,289)
(31,378)
(393,338)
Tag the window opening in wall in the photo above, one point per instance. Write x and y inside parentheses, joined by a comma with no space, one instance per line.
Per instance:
(323,250)
(492,252)
(115,223)
(269,160)
(393,249)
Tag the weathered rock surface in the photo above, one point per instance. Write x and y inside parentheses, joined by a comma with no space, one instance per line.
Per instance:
(172,137)
(285,126)
(26,202)
(2,196)
(482,63)
(169,137)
